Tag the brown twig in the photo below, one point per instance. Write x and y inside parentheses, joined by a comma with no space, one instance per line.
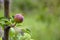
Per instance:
(6,8)
(6,14)
(6,33)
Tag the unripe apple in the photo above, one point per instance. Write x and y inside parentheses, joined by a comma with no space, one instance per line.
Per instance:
(18,18)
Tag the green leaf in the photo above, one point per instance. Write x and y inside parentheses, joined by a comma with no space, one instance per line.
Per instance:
(12,19)
(12,32)
(28,30)
(27,36)
(31,39)
(5,20)
(2,24)
(18,25)
(2,18)
(0,38)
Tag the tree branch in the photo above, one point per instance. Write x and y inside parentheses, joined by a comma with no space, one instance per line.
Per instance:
(6,14)
(6,8)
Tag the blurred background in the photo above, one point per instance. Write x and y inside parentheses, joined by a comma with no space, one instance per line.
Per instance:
(41,16)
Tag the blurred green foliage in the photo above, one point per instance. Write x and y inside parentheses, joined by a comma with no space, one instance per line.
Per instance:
(36,6)
(41,16)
